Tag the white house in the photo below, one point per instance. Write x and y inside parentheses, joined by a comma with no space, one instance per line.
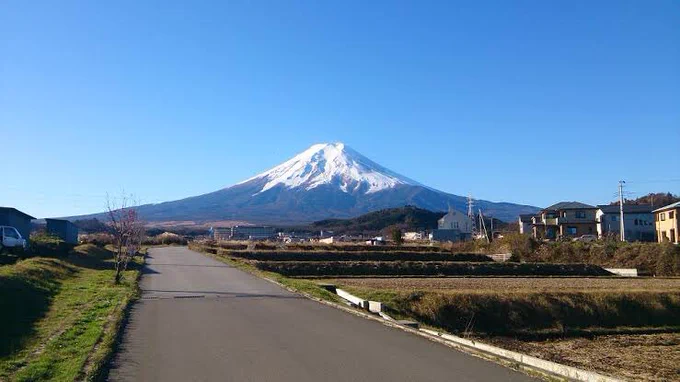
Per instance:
(638,221)
(453,226)
(456,220)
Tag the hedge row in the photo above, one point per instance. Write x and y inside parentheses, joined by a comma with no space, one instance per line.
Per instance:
(354,256)
(421,268)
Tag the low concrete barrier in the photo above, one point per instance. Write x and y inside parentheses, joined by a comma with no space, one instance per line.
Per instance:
(375,306)
(353,299)
(548,366)
(625,272)
(500,257)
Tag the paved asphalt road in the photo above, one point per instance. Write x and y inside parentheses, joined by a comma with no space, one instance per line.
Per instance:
(201,320)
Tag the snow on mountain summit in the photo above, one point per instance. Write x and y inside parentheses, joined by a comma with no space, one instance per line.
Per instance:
(332,164)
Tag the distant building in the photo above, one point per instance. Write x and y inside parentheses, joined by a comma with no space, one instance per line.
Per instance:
(379,240)
(455,220)
(17,219)
(638,221)
(454,226)
(327,240)
(667,226)
(564,219)
(414,236)
(525,224)
(64,229)
(244,233)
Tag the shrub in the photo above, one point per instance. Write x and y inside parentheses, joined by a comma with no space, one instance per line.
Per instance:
(44,244)
(99,239)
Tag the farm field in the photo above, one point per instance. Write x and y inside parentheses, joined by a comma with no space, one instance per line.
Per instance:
(512,284)
(601,324)
(648,357)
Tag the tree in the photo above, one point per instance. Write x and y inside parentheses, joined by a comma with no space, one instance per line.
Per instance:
(127,230)
(396,236)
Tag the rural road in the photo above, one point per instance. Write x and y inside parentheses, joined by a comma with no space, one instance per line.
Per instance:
(202,320)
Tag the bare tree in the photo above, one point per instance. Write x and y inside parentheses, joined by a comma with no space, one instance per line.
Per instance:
(127,231)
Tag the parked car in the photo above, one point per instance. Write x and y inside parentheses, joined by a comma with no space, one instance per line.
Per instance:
(11,238)
(586,238)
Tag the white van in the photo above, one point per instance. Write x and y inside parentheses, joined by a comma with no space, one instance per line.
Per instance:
(11,238)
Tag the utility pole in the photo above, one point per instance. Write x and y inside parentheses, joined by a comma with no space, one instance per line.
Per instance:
(471,216)
(622,226)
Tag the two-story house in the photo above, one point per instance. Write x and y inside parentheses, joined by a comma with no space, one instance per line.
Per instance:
(638,221)
(565,219)
(667,226)
(453,226)
(525,224)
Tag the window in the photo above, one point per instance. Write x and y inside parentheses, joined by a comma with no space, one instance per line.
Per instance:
(571,230)
(580,214)
(636,222)
(671,214)
(455,225)
(672,235)
(662,216)
(11,232)
(615,218)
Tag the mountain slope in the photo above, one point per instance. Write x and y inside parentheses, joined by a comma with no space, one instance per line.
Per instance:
(324,181)
(410,217)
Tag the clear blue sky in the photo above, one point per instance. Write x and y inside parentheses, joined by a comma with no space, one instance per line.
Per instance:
(523,101)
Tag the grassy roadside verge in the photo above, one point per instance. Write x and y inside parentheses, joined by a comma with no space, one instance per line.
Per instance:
(299,285)
(60,316)
(534,315)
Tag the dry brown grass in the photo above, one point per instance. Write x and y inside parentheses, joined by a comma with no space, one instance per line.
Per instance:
(514,284)
(649,357)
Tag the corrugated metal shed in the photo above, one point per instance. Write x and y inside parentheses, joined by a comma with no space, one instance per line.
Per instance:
(64,229)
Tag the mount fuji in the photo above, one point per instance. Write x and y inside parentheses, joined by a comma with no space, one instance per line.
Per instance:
(324,181)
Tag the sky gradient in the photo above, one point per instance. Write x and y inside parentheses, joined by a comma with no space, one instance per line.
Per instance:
(530,102)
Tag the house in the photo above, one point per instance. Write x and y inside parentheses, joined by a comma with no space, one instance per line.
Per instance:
(378,240)
(327,240)
(564,219)
(525,224)
(17,219)
(453,226)
(667,227)
(64,229)
(244,233)
(638,222)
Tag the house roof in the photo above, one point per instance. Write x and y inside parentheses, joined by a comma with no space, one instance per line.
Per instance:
(627,208)
(59,220)
(525,218)
(12,209)
(668,207)
(569,206)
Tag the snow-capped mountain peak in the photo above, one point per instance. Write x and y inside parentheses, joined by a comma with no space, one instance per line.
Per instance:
(331,164)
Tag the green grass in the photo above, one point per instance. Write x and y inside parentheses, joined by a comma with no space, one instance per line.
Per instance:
(60,316)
